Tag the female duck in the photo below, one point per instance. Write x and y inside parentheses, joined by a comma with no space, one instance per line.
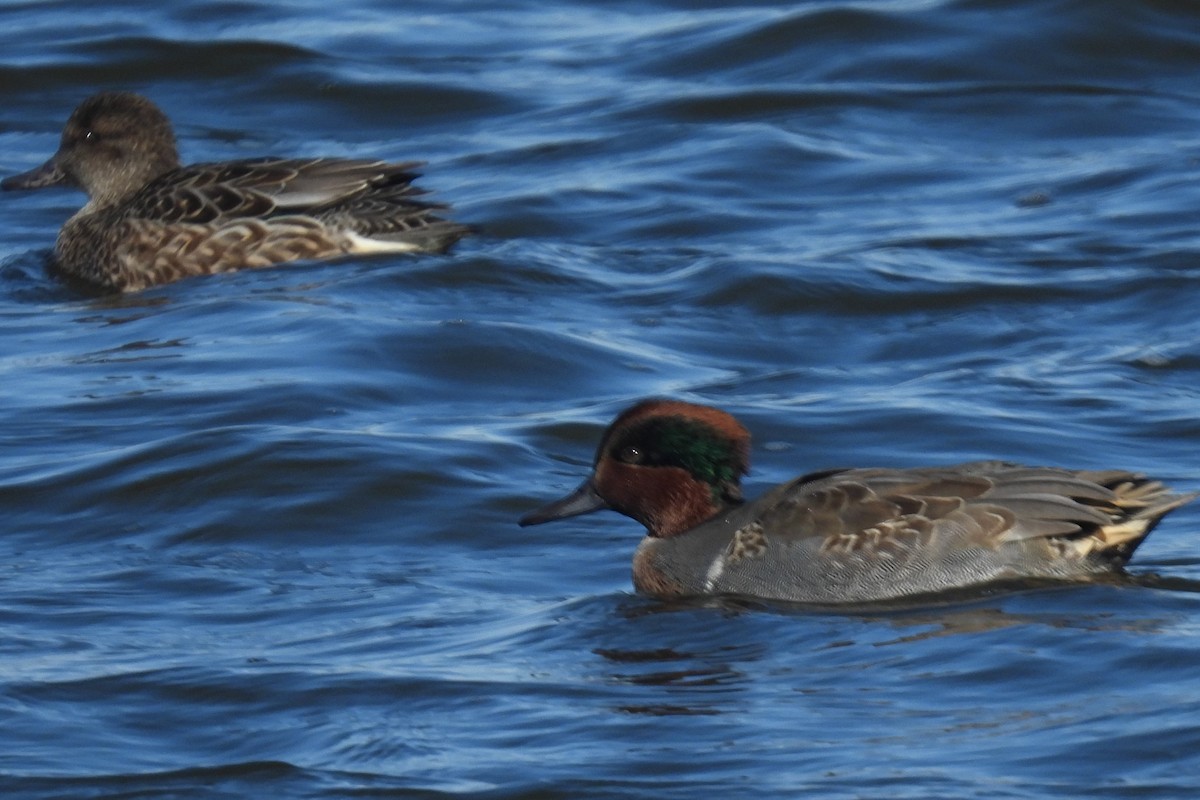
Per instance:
(149,221)
(849,535)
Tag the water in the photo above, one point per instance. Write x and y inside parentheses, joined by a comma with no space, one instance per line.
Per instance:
(259,529)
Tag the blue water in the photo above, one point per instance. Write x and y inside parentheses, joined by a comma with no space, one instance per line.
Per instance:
(259,532)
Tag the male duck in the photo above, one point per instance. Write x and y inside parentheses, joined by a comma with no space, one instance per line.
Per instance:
(149,221)
(848,535)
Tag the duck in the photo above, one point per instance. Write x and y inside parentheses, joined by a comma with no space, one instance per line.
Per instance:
(841,536)
(149,221)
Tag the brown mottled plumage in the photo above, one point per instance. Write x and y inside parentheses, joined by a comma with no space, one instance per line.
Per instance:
(853,535)
(150,221)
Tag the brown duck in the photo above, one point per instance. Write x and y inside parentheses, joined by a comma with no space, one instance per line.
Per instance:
(150,221)
(848,535)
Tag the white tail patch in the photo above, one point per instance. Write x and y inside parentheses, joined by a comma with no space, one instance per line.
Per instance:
(364,244)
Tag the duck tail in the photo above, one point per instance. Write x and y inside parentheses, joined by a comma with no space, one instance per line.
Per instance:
(438,236)
(1138,505)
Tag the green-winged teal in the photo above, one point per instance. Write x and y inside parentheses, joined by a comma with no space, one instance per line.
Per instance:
(848,535)
(149,221)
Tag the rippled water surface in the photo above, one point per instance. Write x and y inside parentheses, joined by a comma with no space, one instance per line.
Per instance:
(259,529)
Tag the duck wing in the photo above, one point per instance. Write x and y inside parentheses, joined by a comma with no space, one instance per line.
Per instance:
(265,187)
(901,515)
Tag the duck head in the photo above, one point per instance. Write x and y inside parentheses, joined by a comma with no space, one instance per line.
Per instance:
(113,144)
(669,465)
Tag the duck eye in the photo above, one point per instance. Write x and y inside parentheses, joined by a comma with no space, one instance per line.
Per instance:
(89,136)
(630,455)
